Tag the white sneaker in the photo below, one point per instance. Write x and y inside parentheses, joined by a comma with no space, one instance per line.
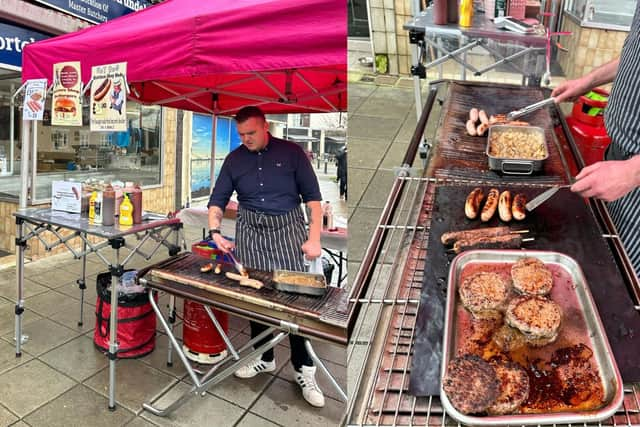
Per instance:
(310,390)
(255,367)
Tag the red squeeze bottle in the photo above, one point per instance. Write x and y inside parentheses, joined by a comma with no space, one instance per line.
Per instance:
(440,16)
(136,201)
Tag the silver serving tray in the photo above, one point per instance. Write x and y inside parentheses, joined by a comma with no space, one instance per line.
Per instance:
(515,166)
(281,283)
(567,293)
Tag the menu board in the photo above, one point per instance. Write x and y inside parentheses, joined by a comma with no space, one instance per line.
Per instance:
(34,96)
(108,104)
(67,85)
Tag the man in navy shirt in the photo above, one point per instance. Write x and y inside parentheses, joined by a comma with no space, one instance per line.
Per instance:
(272,177)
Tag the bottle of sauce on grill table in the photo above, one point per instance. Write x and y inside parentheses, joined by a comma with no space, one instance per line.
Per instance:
(136,200)
(327,215)
(126,211)
(452,11)
(440,12)
(466,13)
(97,218)
(92,205)
(108,205)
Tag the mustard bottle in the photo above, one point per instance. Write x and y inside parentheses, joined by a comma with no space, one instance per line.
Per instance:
(126,211)
(92,205)
(466,13)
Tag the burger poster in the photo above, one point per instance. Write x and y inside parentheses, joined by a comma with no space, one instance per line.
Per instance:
(67,85)
(34,96)
(108,98)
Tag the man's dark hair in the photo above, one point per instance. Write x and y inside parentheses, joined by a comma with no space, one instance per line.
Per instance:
(246,113)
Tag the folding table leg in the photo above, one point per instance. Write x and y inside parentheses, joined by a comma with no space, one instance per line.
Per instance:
(318,362)
(172,321)
(82,283)
(19,308)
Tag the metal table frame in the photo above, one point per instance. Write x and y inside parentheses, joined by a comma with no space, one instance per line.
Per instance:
(203,380)
(423,33)
(37,222)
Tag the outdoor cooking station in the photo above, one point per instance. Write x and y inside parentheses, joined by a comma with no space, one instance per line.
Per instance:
(404,352)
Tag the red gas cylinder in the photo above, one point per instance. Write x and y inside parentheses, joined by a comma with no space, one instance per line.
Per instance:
(200,338)
(586,124)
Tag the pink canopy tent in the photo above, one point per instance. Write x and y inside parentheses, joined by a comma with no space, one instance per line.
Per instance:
(216,56)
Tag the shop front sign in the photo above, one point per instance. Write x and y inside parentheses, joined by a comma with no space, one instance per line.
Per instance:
(97,11)
(12,40)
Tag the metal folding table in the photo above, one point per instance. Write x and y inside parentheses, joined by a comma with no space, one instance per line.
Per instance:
(34,222)
(321,318)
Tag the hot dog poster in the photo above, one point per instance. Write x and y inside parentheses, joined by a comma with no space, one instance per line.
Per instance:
(108,98)
(34,96)
(66,109)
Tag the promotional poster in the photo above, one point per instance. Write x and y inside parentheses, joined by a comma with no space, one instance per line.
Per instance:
(108,102)
(66,108)
(34,97)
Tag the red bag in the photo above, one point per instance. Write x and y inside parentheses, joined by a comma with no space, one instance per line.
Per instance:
(136,321)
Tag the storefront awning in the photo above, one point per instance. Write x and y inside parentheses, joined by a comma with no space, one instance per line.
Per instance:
(217,56)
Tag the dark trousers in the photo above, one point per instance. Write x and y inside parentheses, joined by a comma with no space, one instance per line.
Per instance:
(299,354)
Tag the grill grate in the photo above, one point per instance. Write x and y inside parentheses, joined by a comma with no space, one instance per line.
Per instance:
(390,403)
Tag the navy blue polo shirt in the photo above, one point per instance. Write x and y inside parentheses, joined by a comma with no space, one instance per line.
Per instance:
(273,180)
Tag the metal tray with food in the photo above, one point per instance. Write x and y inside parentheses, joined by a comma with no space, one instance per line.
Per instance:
(516,150)
(299,282)
(523,342)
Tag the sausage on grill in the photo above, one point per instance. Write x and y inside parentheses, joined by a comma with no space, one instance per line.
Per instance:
(471,128)
(518,207)
(504,206)
(450,237)
(506,241)
(483,117)
(490,205)
(473,115)
(472,204)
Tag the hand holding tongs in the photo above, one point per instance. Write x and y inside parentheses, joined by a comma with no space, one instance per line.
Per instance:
(530,108)
(543,197)
(237,265)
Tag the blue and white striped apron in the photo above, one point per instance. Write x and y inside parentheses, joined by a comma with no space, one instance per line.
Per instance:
(622,120)
(271,242)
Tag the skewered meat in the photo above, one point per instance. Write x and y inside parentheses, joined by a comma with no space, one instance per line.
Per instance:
(504,206)
(472,204)
(505,241)
(471,128)
(484,293)
(518,209)
(473,115)
(450,237)
(514,387)
(531,277)
(535,317)
(471,384)
(490,205)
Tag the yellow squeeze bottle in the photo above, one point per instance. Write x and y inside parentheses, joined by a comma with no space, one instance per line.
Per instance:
(466,13)
(126,211)
(92,205)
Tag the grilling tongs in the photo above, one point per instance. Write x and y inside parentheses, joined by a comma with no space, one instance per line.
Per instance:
(237,265)
(530,108)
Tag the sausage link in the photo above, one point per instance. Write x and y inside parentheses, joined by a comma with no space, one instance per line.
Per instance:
(473,115)
(504,206)
(483,117)
(482,129)
(490,205)
(472,204)
(471,128)
(518,207)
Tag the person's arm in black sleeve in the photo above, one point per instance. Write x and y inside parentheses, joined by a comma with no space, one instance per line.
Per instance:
(310,192)
(218,200)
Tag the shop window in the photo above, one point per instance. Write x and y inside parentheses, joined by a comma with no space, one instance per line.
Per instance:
(76,153)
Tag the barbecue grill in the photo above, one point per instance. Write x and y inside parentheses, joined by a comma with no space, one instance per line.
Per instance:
(401,263)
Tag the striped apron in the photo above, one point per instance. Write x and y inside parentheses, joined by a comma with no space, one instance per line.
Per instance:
(271,242)
(622,120)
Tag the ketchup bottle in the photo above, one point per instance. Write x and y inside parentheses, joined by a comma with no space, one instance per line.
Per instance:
(136,200)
